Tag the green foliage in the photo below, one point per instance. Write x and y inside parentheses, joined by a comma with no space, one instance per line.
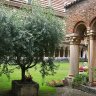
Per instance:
(26,36)
(6,29)
(94,72)
(80,79)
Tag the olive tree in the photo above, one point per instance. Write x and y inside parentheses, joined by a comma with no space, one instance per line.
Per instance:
(27,36)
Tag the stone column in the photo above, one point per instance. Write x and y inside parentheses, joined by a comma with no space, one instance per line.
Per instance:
(54,54)
(63,51)
(92,57)
(74,56)
(59,52)
(68,52)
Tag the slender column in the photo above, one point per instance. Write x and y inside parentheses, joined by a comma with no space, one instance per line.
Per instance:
(59,52)
(54,53)
(68,52)
(89,55)
(92,59)
(63,52)
(74,57)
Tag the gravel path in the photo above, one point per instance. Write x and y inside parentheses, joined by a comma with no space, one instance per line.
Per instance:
(67,91)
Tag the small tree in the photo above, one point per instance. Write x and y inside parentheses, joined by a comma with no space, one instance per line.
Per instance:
(29,37)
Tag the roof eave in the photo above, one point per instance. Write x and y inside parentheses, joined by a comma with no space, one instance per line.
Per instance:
(70,4)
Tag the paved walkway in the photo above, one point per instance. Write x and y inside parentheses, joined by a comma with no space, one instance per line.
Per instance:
(64,91)
(67,91)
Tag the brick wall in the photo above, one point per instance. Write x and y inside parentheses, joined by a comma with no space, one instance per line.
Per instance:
(83,11)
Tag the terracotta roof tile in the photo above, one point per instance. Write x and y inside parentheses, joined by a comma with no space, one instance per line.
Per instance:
(57,5)
(69,3)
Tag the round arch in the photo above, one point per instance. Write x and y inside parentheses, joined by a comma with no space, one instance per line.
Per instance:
(80,28)
(93,24)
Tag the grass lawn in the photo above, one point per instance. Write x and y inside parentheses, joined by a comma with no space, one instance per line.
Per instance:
(62,72)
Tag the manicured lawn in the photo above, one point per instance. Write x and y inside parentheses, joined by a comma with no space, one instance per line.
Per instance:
(62,72)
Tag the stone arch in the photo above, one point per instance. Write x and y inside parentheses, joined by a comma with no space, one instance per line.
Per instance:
(93,24)
(80,29)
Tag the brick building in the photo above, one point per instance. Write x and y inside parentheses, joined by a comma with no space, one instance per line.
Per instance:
(81,29)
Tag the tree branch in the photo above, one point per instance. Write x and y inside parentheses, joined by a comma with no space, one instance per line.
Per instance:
(30,66)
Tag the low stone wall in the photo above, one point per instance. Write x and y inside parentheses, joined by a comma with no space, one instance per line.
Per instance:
(69,91)
(87,89)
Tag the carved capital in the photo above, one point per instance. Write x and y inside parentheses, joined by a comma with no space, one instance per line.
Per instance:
(92,35)
(75,40)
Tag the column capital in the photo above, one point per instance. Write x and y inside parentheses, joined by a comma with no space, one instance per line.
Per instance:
(91,35)
(73,38)
(88,30)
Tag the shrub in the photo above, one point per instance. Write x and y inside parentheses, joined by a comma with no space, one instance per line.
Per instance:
(80,79)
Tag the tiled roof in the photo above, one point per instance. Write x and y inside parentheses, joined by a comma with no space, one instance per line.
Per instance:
(69,3)
(57,5)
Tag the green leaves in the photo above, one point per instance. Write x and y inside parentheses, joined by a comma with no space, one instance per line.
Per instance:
(27,35)
(80,79)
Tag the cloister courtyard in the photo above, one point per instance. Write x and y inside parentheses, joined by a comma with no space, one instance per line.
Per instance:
(61,73)
(45,89)
(47,47)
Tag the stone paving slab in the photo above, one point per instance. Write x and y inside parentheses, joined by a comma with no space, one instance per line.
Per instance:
(68,91)
(64,91)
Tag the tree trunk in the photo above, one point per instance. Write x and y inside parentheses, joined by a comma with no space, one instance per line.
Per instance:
(23,74)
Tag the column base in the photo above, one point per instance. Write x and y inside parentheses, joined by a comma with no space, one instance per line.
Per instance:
(70,79)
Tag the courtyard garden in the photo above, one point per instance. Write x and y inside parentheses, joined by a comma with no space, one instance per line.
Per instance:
(26,35)
(61,73)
